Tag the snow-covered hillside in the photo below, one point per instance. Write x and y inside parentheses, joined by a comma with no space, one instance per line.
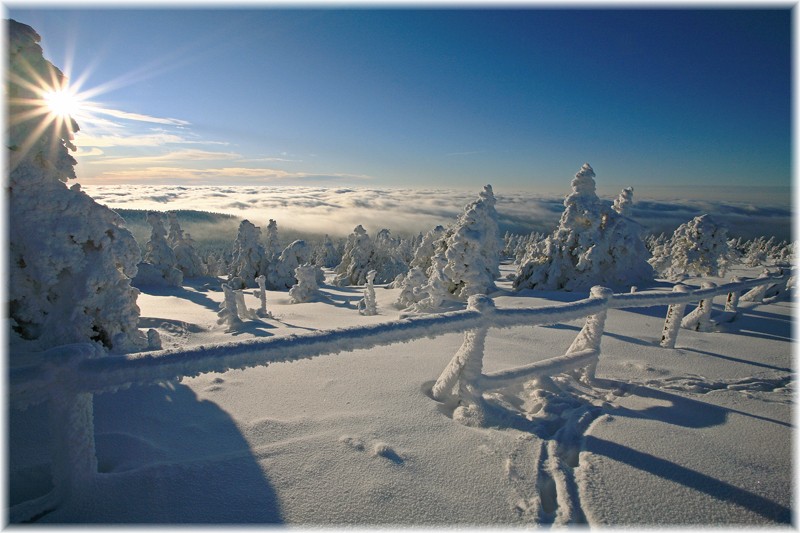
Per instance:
(664,436)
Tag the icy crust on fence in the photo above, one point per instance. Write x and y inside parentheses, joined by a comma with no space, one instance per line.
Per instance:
(70,259)
(594,244)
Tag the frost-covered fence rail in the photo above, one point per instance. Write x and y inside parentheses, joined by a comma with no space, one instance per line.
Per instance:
(66,377)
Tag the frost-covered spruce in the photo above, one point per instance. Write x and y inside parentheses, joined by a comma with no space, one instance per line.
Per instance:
(473,249)
(388,260)
(306,289)
(187,259)
(426,249)
(249,259)
(593,245)
(356,259)
(71,259)
(272,246)
(410,288)
(326,255)
(160,265)
(698,248)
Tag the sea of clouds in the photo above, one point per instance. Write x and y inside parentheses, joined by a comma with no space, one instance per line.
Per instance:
(336,211)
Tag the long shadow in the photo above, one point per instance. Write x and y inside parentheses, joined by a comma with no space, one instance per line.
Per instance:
(682,411)
(180,292)
(172,459)
(689,478)
(736,359)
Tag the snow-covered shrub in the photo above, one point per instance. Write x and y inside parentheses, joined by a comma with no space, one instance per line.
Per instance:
(593,245)
(281,276)
(368,305)
(249,259)
(306,288)
(698,248)
(160,264)
(229,310)
(356,259)
(70,259)
(262,296)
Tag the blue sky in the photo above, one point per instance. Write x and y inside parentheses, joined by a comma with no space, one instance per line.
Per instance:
(519,98)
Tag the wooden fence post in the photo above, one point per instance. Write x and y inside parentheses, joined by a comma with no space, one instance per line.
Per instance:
(591,334)
(457,385)
(732,301)
(673,320)
(700,318)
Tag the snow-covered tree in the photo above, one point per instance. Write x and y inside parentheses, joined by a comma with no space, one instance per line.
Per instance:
(326,255)
(249,257)
(698,248)
(187,260)
(71,259)
(473,248)
(272,247)
(593,245)
(426,249)
(160,266)
(356,259)
(281,276)
(388,259)
(410,288)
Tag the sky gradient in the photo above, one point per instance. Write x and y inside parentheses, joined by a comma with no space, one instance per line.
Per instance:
(518,98)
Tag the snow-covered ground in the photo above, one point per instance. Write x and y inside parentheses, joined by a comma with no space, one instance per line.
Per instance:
(700,434)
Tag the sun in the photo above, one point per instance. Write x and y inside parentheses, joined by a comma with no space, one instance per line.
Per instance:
(62,103)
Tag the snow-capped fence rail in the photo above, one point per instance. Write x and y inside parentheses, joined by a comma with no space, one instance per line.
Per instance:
(66,377)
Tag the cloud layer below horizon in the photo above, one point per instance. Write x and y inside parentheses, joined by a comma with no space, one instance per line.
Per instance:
(336,211)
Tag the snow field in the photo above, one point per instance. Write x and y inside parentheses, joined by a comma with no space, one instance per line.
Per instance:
(664,437)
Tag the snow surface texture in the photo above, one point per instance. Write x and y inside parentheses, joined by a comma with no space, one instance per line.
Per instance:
(314,442)
(70,259)
(546,405)
(593,244)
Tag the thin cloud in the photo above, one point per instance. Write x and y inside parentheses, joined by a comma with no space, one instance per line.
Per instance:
(178,155)
(138,117)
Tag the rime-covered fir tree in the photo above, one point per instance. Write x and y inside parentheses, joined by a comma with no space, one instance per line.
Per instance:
(473,248)
(593,245)
(698,248)
(249,257)
(160,265)
(356,259)
(71,259)
(187,260)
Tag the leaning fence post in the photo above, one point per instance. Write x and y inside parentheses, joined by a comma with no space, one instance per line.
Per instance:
(673,320)
(732,301)
(700,318)
(457,383)
(591,334)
